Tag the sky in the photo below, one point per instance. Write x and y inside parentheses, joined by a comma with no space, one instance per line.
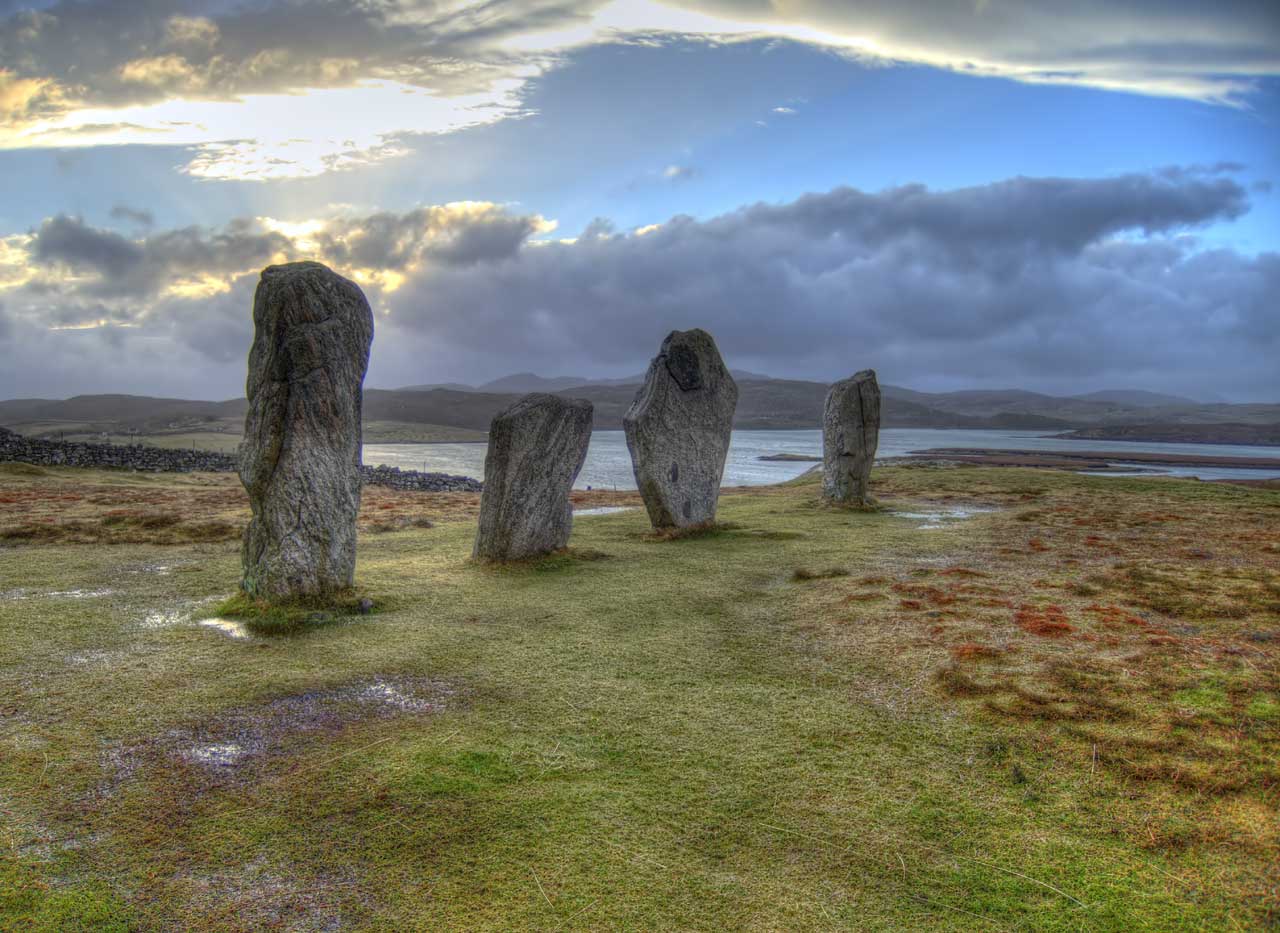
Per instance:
(961,195)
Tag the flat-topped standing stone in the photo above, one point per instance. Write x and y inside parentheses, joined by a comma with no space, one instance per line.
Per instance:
(536,448)
(300,458)
(678,430)
(850,433)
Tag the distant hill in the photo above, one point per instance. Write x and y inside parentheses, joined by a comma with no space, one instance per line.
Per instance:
(531,382)
(763,403)
(1136,398)
(1224,433)
(137,411)
(455,386)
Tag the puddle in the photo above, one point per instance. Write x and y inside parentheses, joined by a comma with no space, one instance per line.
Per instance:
(181,615)
(264,893)
(97,656)
(605,510)
(164,619)
(158,569)
(216,754)
(234,744)
(942,516)
(229,627)
(56,594)
(390,695)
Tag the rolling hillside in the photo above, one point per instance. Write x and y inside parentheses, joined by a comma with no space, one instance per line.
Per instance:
(441,413)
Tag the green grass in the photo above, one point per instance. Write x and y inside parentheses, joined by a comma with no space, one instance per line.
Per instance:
(739,730)
(295,616)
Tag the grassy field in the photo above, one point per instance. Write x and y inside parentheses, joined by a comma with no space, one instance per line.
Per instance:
(1061,713)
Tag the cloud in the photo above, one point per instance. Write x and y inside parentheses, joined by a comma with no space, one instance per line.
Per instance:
(296,88)
(1051,283)
(191,284)
(678,172)
(462,234)
(141,217)
(248,84)
(1209,52)
(1070,282)
(80,260)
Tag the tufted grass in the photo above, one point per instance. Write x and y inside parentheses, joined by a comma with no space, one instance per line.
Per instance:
(812,719)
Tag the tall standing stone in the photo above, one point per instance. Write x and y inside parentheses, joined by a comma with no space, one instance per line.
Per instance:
(300,459)
(850,433)
(678,430)
(536,449)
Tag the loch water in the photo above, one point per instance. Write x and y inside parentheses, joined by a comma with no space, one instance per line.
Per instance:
(608,464)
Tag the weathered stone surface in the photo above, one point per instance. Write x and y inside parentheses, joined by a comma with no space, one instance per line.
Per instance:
(300,458)
(678,430)
(536,448)
(850,433)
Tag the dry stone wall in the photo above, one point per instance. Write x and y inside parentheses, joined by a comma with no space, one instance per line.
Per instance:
(16,448)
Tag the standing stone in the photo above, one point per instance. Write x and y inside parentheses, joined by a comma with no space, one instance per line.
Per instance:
(678,430)
(300,459)
(850,432)
(536,448)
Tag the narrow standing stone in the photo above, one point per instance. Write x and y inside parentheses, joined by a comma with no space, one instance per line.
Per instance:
(850,433)
(536,448)
(678,430)
(300,458)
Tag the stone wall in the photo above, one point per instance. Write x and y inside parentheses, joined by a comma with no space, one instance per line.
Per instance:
(414,479)
(15,447)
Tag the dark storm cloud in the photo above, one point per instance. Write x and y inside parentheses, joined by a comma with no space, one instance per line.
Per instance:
(1051,213)
(70,242)
(1040,282)
(75,259)
(193,286)
(118,266)
(1025,280)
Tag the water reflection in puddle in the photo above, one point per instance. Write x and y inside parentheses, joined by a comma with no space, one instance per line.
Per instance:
(216,754)
(159,569)
(163,619)
(943,516)
(604,510)
(392,696)
(229,627)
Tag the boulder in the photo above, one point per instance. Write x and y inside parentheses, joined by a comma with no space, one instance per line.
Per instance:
(850,432)
(536,448)
(300,458)
(678,430)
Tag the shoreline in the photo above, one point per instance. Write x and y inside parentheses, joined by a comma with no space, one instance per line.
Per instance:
(1093,461)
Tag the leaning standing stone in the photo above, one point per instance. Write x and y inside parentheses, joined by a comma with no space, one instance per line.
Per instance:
(300,459)
(536,448)
(678,430)
(850,432)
